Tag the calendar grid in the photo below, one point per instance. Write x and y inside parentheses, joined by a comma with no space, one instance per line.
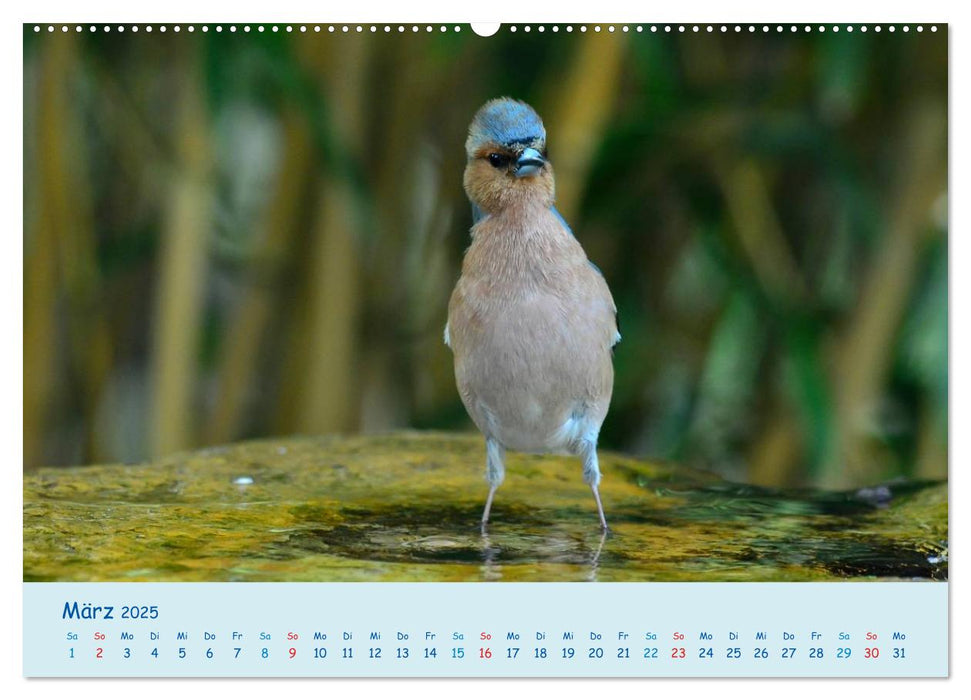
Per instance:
(477,630)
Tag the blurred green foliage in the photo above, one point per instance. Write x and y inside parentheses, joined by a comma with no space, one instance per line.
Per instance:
(231,235)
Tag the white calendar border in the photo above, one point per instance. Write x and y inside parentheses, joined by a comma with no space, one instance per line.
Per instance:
(440,10)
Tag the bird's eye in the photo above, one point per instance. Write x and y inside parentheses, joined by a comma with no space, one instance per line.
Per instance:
(498,160)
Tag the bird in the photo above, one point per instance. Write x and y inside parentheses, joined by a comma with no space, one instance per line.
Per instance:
(531,324)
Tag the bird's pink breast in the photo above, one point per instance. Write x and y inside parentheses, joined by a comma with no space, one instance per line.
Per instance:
(531,326)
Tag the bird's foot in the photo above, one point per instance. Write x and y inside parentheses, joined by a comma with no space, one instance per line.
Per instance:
(600,508)
(488,508)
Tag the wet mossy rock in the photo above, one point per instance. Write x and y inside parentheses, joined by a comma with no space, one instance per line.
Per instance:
(406,507)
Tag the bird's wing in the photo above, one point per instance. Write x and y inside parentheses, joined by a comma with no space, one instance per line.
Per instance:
(477,214)
(559,216)
(616,338)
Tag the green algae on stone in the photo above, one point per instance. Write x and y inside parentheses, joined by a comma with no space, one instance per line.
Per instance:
(406,507)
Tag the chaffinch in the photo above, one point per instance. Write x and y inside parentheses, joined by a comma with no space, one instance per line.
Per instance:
(531,322)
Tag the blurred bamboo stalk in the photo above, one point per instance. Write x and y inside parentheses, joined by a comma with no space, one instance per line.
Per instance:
(582,109)
(429,270)
(864,353)
(775,459)
(778,450)
(326,385)
(40,264)
(246,331)
(758,230)
(39,336)
(90,343)
(182,267)
(329,401)
(386,364)
(61,263)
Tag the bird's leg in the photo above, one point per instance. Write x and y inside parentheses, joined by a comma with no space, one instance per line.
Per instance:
(495,472)
(591,475)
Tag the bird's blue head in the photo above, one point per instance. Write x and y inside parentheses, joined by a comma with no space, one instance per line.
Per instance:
(506,151)
(506,123)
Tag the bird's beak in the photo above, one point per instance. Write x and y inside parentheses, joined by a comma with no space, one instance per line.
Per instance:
(529,162)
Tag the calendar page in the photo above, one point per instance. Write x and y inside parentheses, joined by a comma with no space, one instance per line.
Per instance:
(511,350)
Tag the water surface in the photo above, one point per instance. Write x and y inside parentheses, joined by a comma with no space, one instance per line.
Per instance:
(406,507)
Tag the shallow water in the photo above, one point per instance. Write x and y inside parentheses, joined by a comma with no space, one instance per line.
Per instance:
(406,507)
